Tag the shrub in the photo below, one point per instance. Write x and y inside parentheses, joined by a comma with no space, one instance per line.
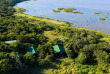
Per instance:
(29,58)
(82,58)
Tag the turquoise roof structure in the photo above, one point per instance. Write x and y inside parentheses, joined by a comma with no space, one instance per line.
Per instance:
(19,55)
(58,48)
(61,39)
(33,50)
(11,41)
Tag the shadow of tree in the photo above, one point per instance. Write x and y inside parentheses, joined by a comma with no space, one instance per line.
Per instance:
(38,69)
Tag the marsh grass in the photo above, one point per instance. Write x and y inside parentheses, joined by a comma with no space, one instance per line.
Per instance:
(105,17)
(98,13)
(61,8)
(56,11)
(102,19)
(78,12)
(69,10)
(51,35)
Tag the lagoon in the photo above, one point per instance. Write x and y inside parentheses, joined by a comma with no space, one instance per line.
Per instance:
(43,8)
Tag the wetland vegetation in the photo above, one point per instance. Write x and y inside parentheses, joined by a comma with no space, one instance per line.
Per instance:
(105,17)
(68,10)
(61,8)
(56,11)
(78,12)
(102,19)
(98,13)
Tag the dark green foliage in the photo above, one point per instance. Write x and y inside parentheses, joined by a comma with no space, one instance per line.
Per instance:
(70,53)
(5,64)
(44,50)
(27,32)
(29,58)
(82,58)
(65,63)
(81,45)
(10,62)
(102,56)
(6,7)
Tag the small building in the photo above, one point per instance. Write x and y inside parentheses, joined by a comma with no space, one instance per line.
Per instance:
(61,39)
(20,58)
(58,49)
(9,42)
(33,50)
(19,55)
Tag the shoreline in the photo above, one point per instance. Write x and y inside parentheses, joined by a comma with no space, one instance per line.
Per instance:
(98,25)
(58,23)
(48,20)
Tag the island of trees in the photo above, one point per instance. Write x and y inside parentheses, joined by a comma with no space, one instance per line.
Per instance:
(67,10)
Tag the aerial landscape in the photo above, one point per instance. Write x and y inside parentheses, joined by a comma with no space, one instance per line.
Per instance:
(54,37)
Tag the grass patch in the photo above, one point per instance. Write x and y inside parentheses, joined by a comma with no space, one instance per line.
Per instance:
(105,17)
(56,11)
(78,13)
(60,9)
(102,19)
(98,13)
(51,35)
(19,10)
(69,10)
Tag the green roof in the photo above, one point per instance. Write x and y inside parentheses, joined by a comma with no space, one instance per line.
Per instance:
(32,50)
(19,55)
(58,48)
(61,39)
(11,41)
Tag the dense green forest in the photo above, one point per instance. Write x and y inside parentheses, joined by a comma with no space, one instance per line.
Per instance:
(87,52)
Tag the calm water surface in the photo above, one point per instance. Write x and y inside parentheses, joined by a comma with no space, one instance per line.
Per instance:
(88,7)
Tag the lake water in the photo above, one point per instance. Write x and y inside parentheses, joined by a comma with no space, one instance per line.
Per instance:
(88,7)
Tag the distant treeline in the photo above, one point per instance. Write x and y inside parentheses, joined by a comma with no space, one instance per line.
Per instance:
(6,7)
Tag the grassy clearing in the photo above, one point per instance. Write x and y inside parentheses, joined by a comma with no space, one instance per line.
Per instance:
(51,35)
